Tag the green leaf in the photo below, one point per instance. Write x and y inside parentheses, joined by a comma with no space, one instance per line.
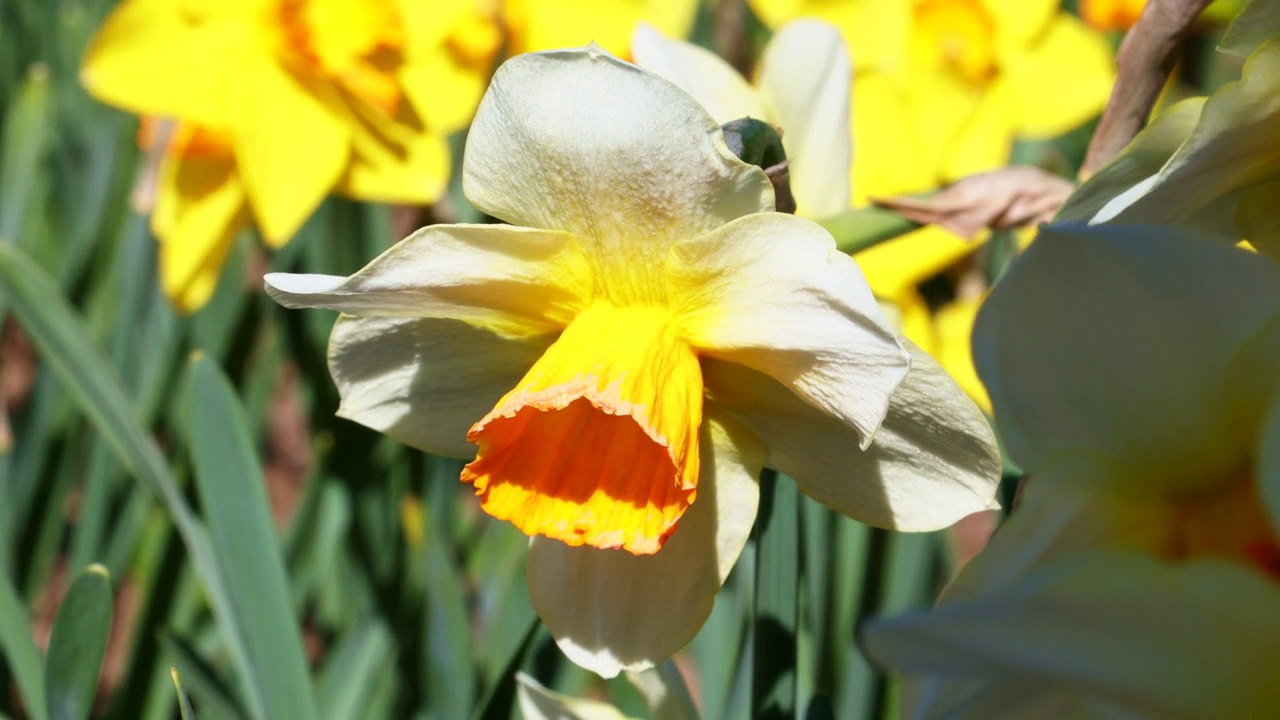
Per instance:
(450,684)
(66,350)
(20,651)
(777,608)
(246,550)
(200,680)
(356,666)
(76,645)
(184,704)
(26,133)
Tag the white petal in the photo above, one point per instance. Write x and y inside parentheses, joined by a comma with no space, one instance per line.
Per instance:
(933,461)
(578,140)
(425,381)
(806,78)
(1116,341)
(1232,149)
(1141,159)
(1197,640)
(511,279)
(539,703)
(611,611)
(711,81)
(773,293)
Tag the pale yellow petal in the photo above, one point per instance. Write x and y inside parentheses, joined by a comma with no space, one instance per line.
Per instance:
(512,280)
(1256,23)
(630,612)
(772,292)
(1137,357)
(539,703)
(933,460)
(425,381)
(721,91)
(805,79)
(1121,632)
(578,140)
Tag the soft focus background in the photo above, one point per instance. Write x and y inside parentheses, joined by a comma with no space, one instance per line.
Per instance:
(151,433)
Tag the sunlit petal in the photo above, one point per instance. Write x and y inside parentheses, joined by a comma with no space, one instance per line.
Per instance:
(717,87)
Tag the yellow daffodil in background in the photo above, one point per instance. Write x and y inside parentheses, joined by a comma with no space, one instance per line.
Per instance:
(279,102)
(1133,373)
(942,89)
(633,349)
(547,24)
(1109,15)
(802,87)
(1211,163)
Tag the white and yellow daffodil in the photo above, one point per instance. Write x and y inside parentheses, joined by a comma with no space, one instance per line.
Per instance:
(632,350)
(1212,163)
(280,102)
(802,87)
(1133,374)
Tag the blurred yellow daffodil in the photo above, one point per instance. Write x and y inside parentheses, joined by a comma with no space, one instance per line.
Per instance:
(1133,373)
(802,87)
(1208,163)
(1109,15)
(631,351)
(548,24)
(279,102)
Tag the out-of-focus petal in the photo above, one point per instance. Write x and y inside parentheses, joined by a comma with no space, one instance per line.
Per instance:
(611,611)
(156,57)
(1142,158)
(1080,64)
(772,292)
(449,60)
(933,460)
(1137,361)
(1257,219)
(1256,23)
(953,331)
(415,173)
(1020,23)
(711,81)
(891,158)
(513,280)
(551,24)
(1232,148)
(805,79)
(896,267)
(1122,630)
(539,703)
(200,207)
(645,168)
(291,148)
(425,381)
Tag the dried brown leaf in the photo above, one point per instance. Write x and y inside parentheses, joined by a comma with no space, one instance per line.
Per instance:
(1001,199)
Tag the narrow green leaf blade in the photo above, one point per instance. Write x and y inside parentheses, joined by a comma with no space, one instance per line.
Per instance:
(20,650)
(234,498)
(76,645)
(777,609)
(184,703)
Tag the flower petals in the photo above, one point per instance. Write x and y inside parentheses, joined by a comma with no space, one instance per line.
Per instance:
(771,292)
(933,460)
(1124,631)
(629,612)
(643,167)
(1138,360)
(511,280)
(805,78)
(424,381)
(708,79)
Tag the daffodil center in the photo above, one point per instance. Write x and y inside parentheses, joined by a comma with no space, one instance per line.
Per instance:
(956,34)
(598,444)
(1229,523)
(357,44)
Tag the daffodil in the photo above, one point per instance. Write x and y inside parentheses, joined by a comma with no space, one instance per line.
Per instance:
(1209,163)
(1122,14)
(624,358)
(1133,373)
(279,102)
(802,87)
(548,24)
